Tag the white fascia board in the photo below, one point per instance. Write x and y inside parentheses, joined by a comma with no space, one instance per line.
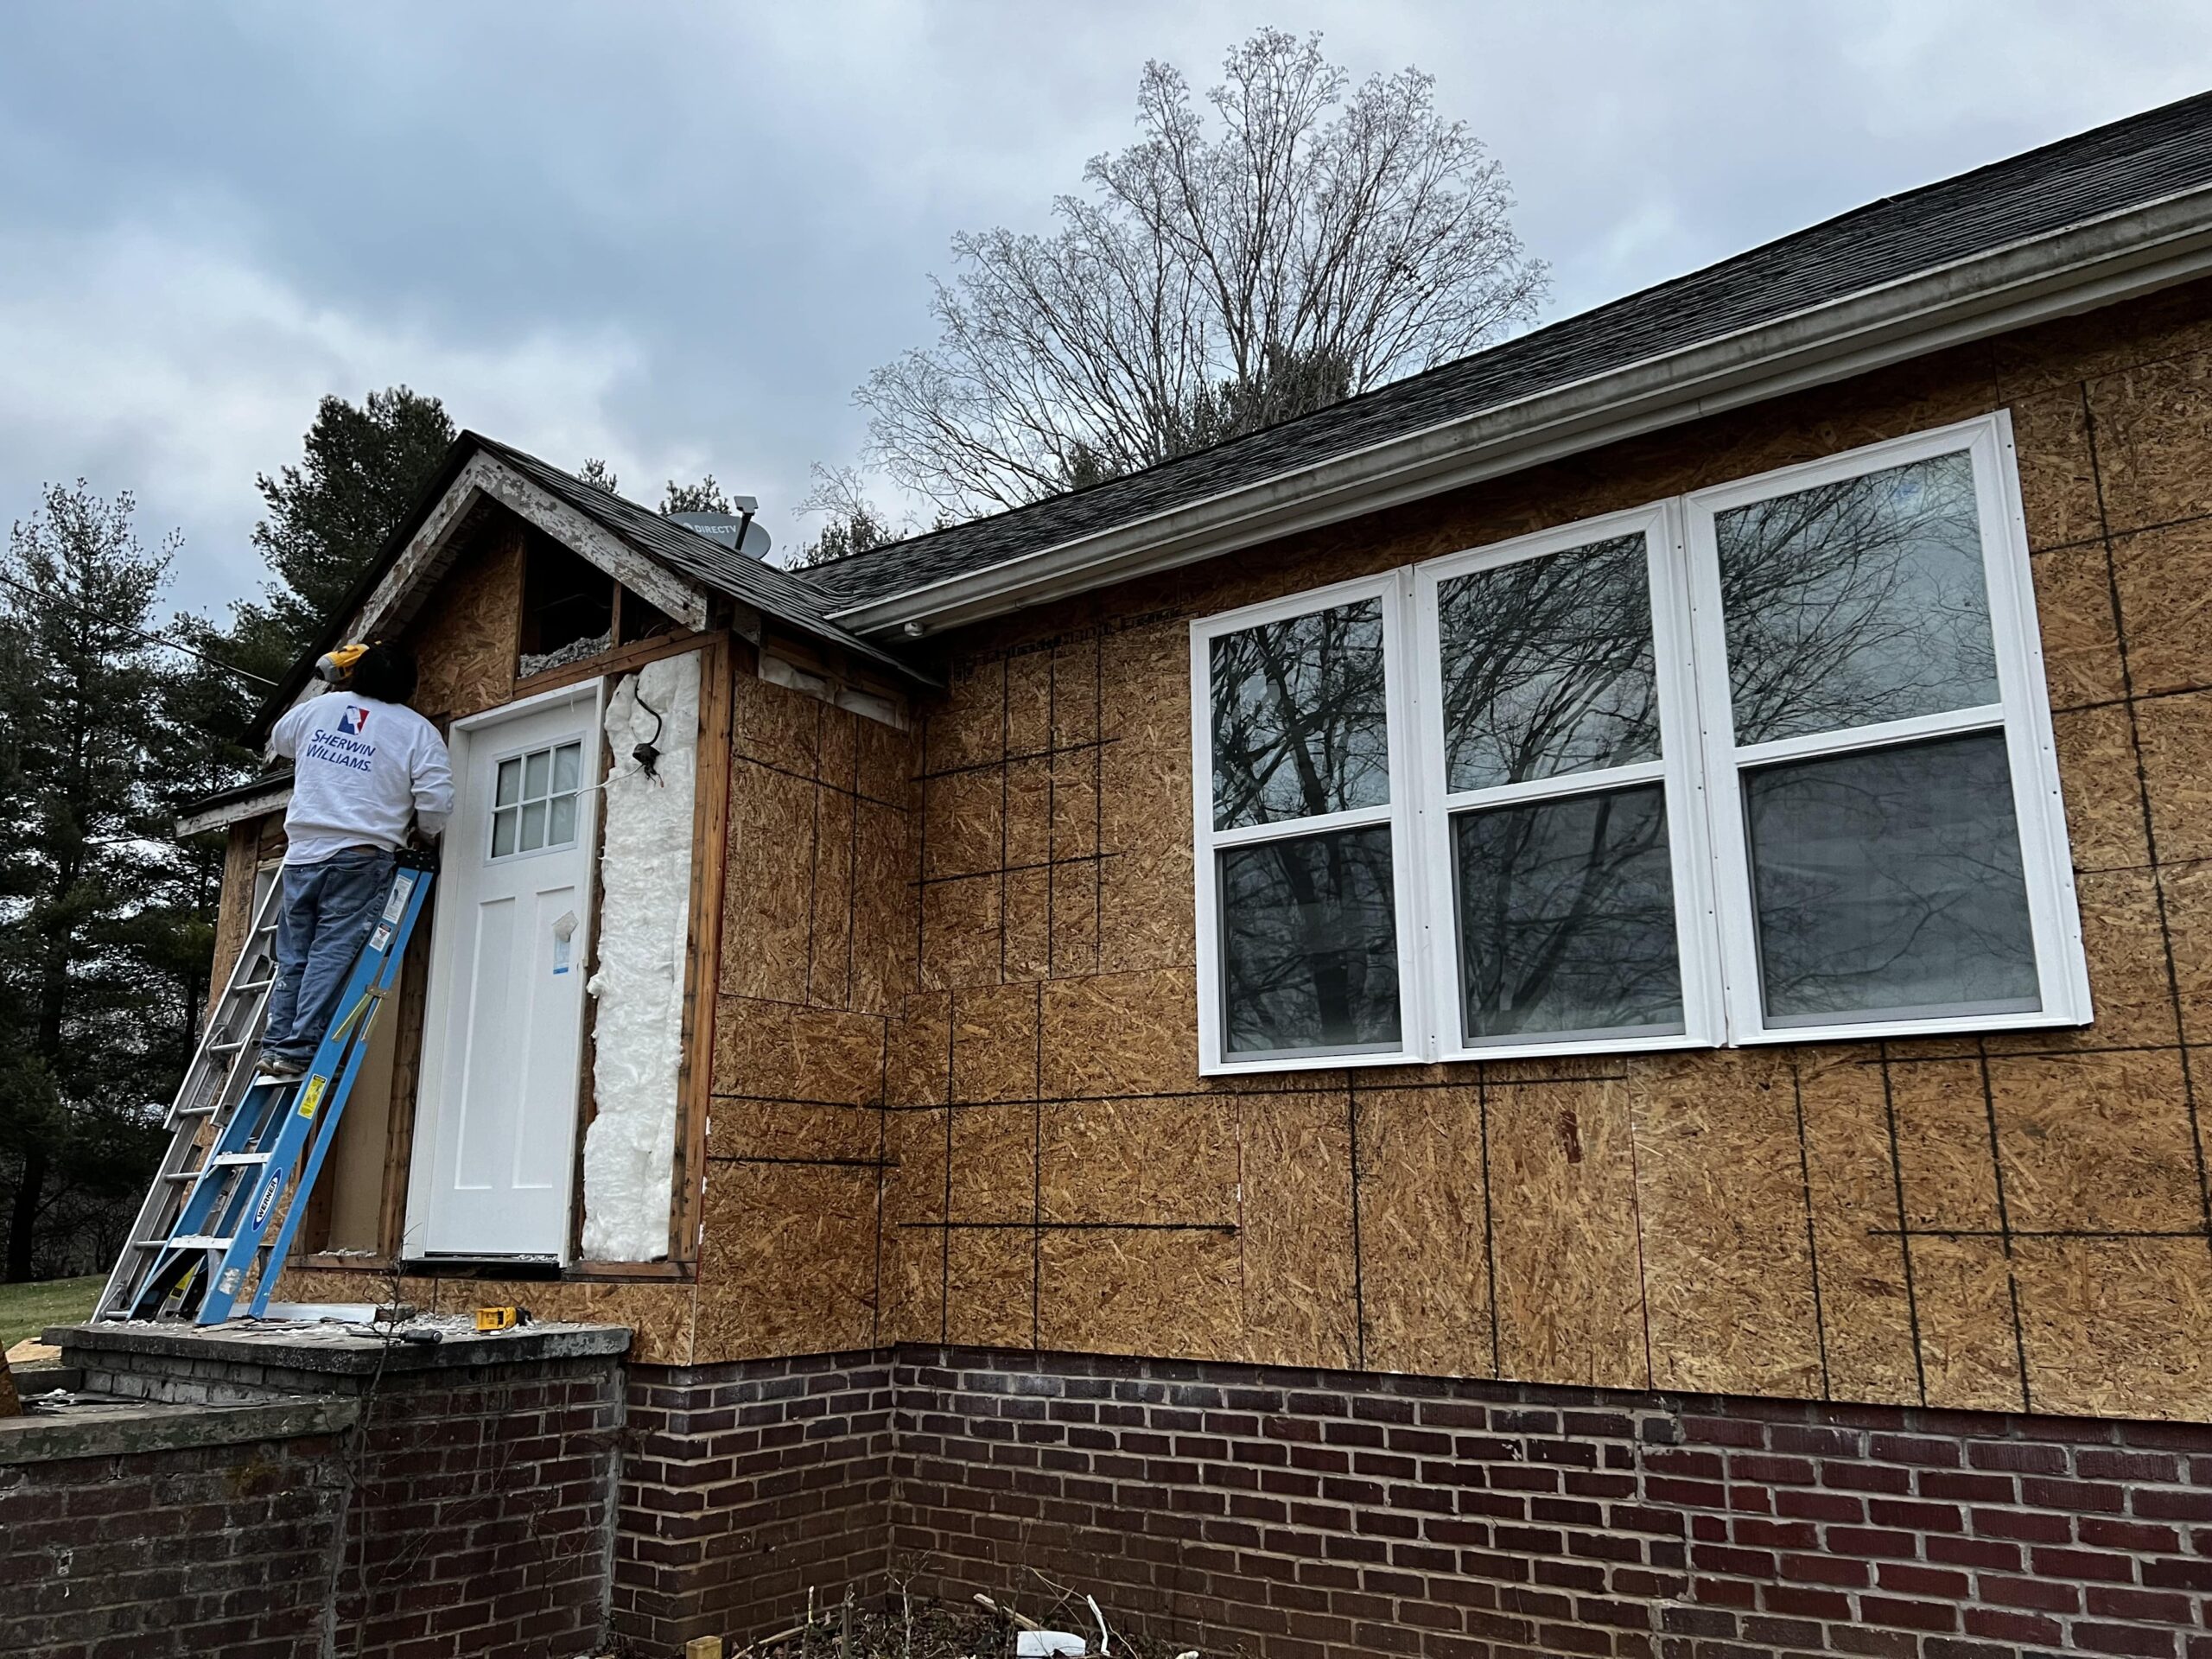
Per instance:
(275,798)
(2077,270)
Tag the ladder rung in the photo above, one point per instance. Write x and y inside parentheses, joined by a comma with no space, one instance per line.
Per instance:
(223,1160)
(195,1241)
(230,1047)
(256,984)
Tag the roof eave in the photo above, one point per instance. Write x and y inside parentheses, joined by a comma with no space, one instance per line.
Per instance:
(2113,257)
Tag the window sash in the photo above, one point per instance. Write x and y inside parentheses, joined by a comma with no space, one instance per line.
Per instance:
(1700,768)
(1389,591)
(1675,771)
(2022,713)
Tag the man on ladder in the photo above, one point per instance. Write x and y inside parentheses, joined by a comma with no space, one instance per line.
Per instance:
(364,765)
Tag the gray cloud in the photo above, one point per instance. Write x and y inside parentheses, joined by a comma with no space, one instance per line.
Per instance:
(677,236)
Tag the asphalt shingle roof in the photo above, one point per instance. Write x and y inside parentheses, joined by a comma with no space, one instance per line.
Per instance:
(2127,165)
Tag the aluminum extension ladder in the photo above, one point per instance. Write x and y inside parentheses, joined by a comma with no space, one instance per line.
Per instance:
(236,1141)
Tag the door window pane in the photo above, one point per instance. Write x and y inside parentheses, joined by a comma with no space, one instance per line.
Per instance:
(1309,944)
(1299,717)
(1547,666)
(1888,883)
(1566,917)
(1856,602)
(528,818)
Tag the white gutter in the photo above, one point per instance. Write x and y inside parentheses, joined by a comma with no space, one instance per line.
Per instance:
(2116,257)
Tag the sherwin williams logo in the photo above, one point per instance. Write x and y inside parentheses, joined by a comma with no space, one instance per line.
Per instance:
(354,722)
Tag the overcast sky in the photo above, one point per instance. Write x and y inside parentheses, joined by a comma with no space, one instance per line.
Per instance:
(677,235)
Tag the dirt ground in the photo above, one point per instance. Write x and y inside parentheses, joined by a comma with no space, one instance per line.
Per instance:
(927,1630)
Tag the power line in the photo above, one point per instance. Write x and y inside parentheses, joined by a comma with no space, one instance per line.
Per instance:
(150,638)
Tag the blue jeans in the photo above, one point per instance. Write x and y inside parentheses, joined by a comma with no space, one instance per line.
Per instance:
(328,911)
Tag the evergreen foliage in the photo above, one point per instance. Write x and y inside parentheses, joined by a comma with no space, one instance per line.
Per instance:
(106,921)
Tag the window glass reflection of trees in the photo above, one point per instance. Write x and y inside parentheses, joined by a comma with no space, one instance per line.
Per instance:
(1857,602)
(1888,881)
(1547,666)
(1309,943)
(1567,916)
(1299,723)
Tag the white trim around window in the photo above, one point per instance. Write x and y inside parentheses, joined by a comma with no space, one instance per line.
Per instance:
(1896,728)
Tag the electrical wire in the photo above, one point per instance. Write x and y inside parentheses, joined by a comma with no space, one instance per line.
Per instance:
(150,638)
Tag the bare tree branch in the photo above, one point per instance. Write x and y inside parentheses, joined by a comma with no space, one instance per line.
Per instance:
(1309,242)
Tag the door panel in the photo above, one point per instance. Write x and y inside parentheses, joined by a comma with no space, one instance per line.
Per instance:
(495,1134)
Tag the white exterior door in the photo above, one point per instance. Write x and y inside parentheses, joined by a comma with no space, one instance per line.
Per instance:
(496,1122)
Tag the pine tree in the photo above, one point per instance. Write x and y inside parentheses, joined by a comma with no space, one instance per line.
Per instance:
(362,467)
(105,921)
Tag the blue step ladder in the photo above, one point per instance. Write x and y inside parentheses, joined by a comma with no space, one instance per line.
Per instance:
(237,1143)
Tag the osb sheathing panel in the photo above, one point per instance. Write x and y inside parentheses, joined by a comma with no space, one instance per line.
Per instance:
(2164,578)
(467,634)
(1296,1230)
(2058,474)
(2154,440)
(917,1155)
(818,904)
(2096,768)
(1852,1197)
(769,1050)
(1168,1162)
(1125,1291)
(1726,1254)
(1963,1292)
(788,1261)
(2081,634)
(2114,1327)
(2096,1143)
(1424,1242)
(1936,1221)
(2174,736)
(1563,1234)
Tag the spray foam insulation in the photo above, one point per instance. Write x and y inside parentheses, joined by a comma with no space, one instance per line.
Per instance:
(645,903)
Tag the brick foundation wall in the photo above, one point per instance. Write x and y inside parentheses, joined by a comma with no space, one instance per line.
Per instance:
(466,1512)
(745,1487)
(1297,1515)
(483,1514)
(166,1555)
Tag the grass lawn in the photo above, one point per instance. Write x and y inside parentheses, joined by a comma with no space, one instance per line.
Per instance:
(26,1310)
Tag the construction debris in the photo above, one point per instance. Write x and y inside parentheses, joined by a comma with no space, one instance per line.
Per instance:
(911,1627)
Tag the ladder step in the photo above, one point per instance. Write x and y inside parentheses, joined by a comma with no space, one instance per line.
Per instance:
(256,984)
(222,1161)
(195,1242)
(230,1047)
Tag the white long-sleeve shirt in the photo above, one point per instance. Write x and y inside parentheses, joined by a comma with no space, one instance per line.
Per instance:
(361,769)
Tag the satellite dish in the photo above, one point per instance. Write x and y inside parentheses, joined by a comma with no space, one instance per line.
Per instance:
(740,532)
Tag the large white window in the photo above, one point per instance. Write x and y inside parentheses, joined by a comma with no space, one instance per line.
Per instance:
(1767,762)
